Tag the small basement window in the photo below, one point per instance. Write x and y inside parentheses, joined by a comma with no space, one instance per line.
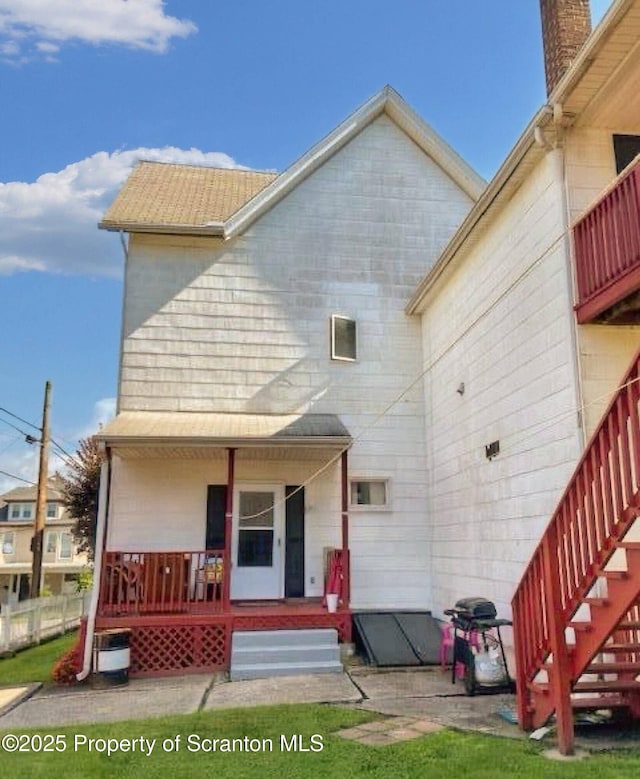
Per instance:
(343,338)
(373,493)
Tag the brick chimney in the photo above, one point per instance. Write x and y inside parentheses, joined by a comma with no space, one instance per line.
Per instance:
(566,25)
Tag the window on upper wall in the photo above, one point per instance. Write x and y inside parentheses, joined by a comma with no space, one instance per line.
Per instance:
(52,543)
(626,148)
(370,493)
(66,550)
(21,511)
(52,511)
(343,338)
(7,543)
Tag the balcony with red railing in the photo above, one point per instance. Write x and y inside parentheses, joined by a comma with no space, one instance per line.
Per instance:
(607,254)
(162,582)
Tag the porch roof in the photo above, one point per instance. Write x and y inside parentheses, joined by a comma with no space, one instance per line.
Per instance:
(143,430)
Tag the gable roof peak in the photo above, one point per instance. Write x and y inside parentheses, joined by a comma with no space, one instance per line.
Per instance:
(388,101)
(165,197)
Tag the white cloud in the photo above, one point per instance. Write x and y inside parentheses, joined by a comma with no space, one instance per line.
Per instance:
(104,410)
(47,48)
(139,24)
(51,224)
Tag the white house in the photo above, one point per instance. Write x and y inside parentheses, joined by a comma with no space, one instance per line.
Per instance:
(264,337)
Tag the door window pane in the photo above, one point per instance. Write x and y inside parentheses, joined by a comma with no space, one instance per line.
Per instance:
(256,509)
(255,548)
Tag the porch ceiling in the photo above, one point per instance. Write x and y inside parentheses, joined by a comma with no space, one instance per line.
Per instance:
(190,435)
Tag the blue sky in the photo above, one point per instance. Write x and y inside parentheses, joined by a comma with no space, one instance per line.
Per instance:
(87,87)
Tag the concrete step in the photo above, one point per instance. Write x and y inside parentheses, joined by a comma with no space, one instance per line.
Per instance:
(261,670)
(270,638)
(263,653)
(307,653)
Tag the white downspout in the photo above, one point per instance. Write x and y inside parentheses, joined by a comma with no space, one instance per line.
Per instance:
(103,501)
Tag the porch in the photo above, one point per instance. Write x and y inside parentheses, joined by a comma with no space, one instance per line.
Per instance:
(218,524)
(180,619)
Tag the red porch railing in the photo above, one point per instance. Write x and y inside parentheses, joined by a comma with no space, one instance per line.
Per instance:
(595,512)
(162,582)
(607,247)
(337,580)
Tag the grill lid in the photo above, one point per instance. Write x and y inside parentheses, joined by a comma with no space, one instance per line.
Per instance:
(476,608)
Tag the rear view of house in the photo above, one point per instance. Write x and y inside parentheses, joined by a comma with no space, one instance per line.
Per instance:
(270,436)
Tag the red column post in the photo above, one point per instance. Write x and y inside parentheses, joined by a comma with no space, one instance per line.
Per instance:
(346,567)
(228,526)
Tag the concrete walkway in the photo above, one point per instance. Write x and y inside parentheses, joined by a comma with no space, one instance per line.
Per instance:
(416,701)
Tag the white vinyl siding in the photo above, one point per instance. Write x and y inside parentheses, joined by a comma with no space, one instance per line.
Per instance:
(242,327)
(501,323)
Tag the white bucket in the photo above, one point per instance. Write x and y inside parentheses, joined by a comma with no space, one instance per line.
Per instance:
(332,602)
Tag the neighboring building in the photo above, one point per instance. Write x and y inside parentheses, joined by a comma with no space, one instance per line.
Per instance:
(264,335)
(61,561)
(497,312)
(530,319)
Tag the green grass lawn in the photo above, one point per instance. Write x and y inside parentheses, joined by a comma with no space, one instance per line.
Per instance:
(443,754)
(35,664)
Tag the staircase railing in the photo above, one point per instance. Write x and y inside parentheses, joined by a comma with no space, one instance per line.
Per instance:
(597,508)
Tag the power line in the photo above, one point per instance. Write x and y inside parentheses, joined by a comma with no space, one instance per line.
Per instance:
(64,451)
(69,462)
(27,436)
(13,442)
(19,478)
(20,419)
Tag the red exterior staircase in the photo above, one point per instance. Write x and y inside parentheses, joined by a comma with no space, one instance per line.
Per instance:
(576,611)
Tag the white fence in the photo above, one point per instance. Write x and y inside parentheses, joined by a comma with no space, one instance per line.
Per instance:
(31,621)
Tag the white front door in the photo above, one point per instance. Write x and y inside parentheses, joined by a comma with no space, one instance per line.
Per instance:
(258,541)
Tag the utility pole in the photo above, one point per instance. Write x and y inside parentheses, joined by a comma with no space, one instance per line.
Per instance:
(41,499)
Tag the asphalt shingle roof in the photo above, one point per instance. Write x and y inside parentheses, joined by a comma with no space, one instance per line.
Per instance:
(165,194)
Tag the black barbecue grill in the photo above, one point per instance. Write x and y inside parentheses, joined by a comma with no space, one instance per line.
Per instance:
(478,651)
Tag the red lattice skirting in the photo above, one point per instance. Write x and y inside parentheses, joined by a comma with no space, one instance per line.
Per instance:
(162,646)
(161,650)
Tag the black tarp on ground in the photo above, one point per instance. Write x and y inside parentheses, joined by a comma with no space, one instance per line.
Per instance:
(398,637)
